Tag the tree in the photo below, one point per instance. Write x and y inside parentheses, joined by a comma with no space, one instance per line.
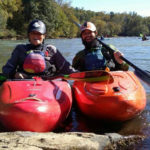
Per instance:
(133,25)
(7,9)
(10,6)
(70,29)
(45,10)
(58,15)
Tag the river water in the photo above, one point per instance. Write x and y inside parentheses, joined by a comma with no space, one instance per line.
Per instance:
(135,50)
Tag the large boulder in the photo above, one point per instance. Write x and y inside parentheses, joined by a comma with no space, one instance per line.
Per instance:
(65,141)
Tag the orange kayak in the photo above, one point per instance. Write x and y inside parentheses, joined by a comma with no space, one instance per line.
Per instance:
(119,99)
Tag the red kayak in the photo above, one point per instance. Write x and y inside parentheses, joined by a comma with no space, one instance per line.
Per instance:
(119,98)
(34,105)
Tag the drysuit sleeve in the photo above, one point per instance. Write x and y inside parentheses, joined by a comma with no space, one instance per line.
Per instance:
(64,67)
(57,59)
(9,69)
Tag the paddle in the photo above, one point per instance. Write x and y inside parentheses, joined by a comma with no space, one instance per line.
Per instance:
(142,74)
(88,76)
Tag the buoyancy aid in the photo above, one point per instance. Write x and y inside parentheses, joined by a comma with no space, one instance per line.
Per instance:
(94,59)
(34,62)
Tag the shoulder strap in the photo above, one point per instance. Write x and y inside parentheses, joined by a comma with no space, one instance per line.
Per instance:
(107,54)
(44,47)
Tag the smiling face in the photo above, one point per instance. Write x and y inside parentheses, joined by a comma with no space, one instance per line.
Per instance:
(88,35)
(36,38)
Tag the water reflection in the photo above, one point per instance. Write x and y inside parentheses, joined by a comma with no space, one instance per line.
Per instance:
(79,122)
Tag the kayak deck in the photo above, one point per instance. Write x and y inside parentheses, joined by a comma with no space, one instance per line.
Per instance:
(119,100)
(36,105)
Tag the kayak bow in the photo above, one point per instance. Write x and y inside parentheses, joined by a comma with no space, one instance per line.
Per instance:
(120,100)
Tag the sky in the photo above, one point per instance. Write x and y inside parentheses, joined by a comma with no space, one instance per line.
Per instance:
(141,7)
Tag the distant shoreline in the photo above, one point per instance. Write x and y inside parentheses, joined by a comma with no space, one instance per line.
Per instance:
(24,38)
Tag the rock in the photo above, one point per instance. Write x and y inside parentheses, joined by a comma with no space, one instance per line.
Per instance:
(119,142)
(64,141)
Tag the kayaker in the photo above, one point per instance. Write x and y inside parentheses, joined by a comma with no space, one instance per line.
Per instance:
(144,38)
(36,57)
(95,56)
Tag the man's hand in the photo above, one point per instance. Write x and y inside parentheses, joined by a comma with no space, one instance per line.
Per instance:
(20,75)
(117,57)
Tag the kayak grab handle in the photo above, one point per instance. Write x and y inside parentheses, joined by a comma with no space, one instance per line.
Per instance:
(29,98)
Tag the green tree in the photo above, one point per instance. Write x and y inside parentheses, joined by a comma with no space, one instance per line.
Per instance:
(146,22)
(100,25)
(10,6)
(133,25)
(58,16)
(45,10)
(7,9)
(71,30)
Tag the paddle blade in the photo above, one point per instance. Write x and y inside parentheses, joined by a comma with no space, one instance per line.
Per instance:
(143,75)
(2,77)
(90,76)
(141,35)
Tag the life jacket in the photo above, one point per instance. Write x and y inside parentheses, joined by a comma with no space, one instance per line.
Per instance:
(95,60)
(34,62)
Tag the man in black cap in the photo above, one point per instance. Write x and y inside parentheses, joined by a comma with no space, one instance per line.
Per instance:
(36,58)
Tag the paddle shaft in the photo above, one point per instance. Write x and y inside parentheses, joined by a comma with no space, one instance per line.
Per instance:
(123,58)
(87,76)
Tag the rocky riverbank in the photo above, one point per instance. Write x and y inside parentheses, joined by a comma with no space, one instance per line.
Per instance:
(66,141)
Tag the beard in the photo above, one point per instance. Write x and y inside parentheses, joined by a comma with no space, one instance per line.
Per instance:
(88,45)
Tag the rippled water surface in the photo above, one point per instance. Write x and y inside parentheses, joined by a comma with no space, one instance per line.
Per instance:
(135,50)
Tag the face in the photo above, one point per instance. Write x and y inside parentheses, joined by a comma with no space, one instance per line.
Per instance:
(36,38)
(88,35)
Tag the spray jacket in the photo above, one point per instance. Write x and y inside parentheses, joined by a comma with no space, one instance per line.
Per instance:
(55,62)
(97,58)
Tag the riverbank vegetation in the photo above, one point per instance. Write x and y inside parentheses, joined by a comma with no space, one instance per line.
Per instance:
(58,16)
